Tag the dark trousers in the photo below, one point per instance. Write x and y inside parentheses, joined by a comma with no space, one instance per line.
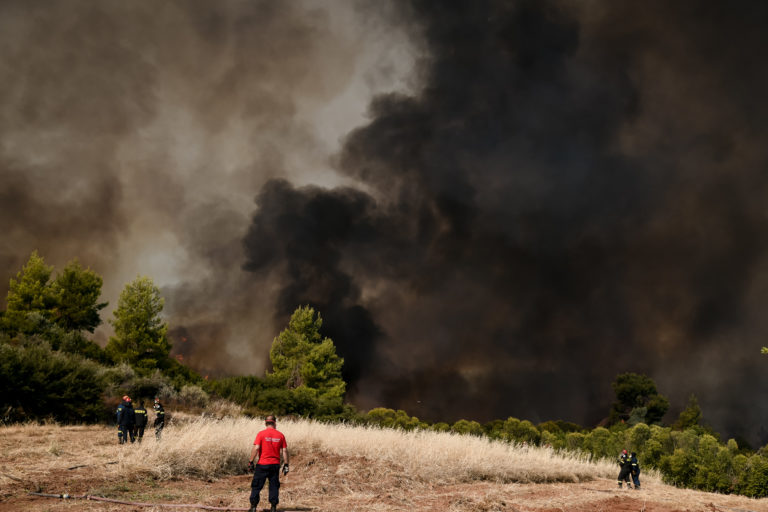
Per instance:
(123,431)
(159,430)
(624,475)
(636,478)
(262,472)
(138,431)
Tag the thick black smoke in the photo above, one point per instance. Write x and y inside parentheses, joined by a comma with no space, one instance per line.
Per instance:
(576,191)
(558,192)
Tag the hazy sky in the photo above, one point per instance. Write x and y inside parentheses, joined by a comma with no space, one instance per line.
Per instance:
(496,206)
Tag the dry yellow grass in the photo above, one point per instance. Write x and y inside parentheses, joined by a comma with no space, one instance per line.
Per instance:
(337,468)
(210,448)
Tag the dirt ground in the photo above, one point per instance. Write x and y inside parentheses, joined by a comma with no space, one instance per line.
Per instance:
(41,460)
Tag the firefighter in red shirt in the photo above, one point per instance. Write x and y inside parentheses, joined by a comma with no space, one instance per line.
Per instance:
(268,448)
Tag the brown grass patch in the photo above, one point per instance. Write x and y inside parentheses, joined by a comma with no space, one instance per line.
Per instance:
(333,468)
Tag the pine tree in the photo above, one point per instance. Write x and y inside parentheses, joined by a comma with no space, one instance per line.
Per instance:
(301,357)
(140,333)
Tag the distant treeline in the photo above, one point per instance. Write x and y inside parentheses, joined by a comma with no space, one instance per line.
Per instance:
(49,369)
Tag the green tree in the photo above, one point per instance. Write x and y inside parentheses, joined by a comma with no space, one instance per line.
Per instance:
(520,431)
(639,436)
(467,427)
(390,418)
(37,382)
(140,333)
(58,310)
(690,416)
(575,440)
(635,392)
(301,357)
(600,443)
(30,299)
(76,294)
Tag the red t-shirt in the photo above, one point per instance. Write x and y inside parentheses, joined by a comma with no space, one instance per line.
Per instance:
(270,440)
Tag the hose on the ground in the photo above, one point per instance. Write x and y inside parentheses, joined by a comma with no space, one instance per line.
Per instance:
(135,503)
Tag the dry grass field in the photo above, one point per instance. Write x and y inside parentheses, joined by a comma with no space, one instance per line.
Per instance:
(334,468)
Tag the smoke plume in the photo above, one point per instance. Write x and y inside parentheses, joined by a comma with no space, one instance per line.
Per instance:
(543,194)
(575,192)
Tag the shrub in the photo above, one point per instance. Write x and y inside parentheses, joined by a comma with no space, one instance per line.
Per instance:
(555,441)
(467,427)
(243,390)
(124,380)
(441,427)
(36,383)
(680,468)
(754,483)
(521,431)
(390,418)
(600,443)
(639,436)
(574,441)
(193,396)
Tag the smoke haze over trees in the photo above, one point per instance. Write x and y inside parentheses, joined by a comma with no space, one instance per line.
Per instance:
(543,194)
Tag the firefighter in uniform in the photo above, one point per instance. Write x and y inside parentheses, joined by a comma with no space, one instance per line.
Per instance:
(159,418)
(141,420)
(635,470)
(125,420)
(626,467)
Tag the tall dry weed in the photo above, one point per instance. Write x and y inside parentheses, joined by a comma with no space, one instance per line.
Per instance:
(209,448)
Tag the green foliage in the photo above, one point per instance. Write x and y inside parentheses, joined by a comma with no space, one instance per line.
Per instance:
(552,440)
(75,343)
(122,379)
(392,419)
(520,431)
(494,429)
(575,441)
(302,359)
(243,390)
(638,437)
(193,396)
(300,401)
(680,468)
(37,382)
(755,480)
(637,400)
(601,443)
(467,427)
(37,305)
(690,416)
(76,293)
(305,379)
(140,334)
(29,293)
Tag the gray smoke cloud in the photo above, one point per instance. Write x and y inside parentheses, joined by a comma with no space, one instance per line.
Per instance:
(136,135)
(543,194)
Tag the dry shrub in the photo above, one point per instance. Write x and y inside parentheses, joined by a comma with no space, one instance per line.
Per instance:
(208,448)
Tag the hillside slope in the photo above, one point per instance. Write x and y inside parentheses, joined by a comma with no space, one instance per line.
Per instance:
(333,469)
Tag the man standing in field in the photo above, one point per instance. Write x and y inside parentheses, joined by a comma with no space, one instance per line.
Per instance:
(125,420)
(635,470)
(268,448)
(141,420)
(625,467)
(159,418)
